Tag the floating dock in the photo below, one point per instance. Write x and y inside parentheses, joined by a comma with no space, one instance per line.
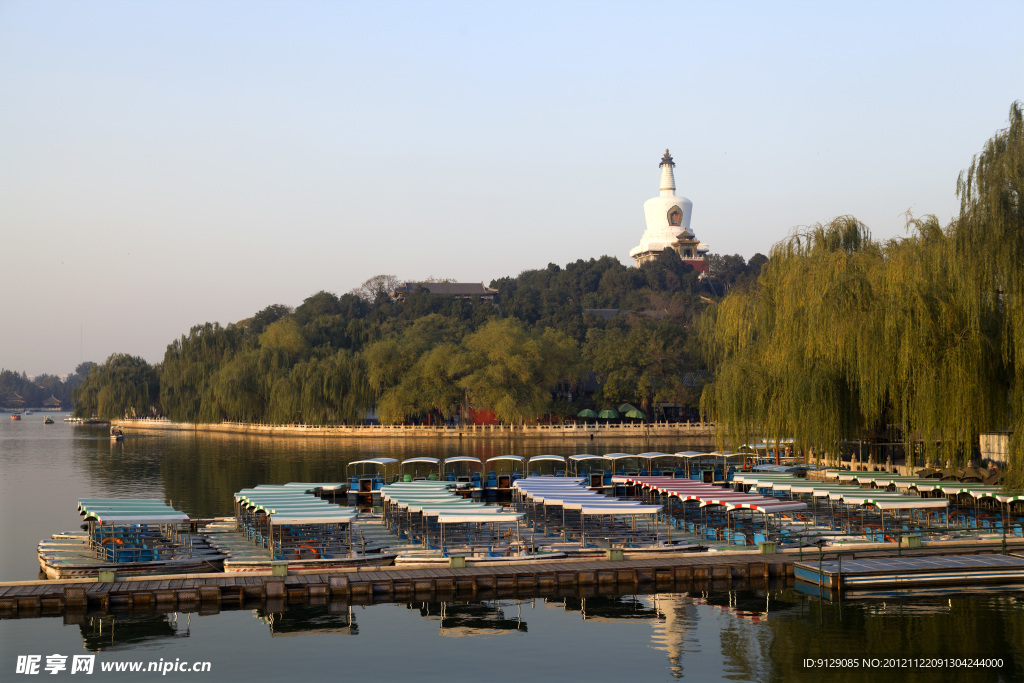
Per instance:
(213,592)
(911,572)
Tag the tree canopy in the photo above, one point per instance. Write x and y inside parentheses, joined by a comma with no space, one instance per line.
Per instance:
(841,334)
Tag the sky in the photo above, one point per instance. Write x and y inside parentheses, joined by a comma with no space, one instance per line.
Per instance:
(166,164)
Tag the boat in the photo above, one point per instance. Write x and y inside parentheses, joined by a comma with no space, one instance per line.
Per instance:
(433,559)
(116,433)
(47,420)
(289,526)
(15,416)
(372,477)
(499,484)
(471,482)
(128,537)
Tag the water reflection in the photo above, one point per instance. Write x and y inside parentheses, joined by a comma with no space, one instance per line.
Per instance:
(749,635)
(461,619)
(336,619)
(125,632)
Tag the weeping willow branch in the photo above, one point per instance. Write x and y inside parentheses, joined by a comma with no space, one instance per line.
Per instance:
(843,335)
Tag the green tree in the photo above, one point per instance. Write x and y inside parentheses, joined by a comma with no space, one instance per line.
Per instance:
(124,386)
(514,372)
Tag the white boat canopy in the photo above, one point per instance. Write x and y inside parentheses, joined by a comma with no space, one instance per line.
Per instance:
(499,458)
(462,458)
(619,456)
(421,459)
(546,458)
(374,461)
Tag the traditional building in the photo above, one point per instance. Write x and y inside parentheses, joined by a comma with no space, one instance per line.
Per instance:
(668,224)
(14,401)
(460,290)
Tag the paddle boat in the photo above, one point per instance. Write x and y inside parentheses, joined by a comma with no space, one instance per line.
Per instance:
(498,483)
(289,526)
(15,416)
(372,477)
(132,537)
(580,466)
(116,433)
(443,523)
(431,464)
(47,420)
(461,466)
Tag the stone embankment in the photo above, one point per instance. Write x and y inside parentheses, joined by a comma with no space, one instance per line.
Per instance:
(703,431)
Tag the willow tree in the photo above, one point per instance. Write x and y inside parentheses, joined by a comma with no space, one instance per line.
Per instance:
(935,363)
(842,335)
(124,386)
(989,243)
(513,371)
(784,348)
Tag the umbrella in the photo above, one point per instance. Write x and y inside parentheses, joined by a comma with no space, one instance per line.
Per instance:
(635,414)
(586,413)
(626,407)
(608,414)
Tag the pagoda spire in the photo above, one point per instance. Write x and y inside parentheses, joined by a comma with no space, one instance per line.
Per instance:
(668,179)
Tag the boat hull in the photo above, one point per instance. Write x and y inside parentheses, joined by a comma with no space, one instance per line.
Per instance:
(56,568)
(237,566)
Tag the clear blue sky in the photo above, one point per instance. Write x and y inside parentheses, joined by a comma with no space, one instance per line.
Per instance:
(164,164)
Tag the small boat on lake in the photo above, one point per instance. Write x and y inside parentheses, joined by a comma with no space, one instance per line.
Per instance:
(128,537)
(116,433)
(47,420)
(15,416)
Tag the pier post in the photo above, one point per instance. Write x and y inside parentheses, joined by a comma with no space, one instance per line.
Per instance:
(74,598)
(339,586)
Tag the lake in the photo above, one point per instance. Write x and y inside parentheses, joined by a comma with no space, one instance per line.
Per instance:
(744,635)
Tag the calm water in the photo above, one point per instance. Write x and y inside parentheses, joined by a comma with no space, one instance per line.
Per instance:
(742,635)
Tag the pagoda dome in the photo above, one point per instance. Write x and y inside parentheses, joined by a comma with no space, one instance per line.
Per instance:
(667,216)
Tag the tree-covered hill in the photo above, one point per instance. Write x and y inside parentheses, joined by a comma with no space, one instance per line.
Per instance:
(554,341)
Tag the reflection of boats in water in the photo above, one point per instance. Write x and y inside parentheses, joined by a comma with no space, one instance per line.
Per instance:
(116,433)
(458,619)
(305,620)
(129,537)
(122,632)
(605,607)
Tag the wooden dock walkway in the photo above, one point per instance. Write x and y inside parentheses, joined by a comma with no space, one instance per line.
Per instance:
(202,592)
(213,592)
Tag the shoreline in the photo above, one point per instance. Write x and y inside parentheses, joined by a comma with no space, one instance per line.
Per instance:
(702,431)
